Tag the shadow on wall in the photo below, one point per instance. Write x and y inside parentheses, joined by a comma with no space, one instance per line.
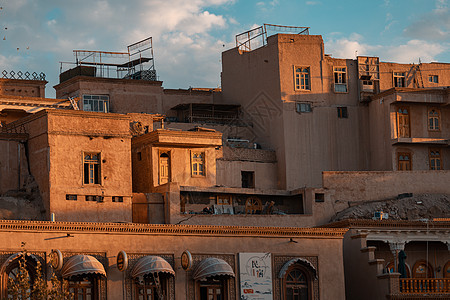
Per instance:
(23,204)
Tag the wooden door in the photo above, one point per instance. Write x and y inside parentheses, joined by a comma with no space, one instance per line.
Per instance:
(164,168)
(403,122)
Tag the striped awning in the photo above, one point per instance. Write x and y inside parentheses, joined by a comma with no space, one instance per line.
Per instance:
(212,266)
(151,264)
(300,260)
(82,264)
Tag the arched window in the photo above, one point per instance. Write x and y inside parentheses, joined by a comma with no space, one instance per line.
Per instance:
(434,118)
(297,277)
(422,269)
(11,269)
(297,286)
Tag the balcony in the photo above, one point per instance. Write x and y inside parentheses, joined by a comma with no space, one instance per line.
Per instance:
(424,285)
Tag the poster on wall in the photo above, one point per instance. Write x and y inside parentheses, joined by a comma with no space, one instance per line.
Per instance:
(255,271)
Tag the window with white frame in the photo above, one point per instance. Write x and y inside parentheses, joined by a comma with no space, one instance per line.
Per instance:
(97,103)
(399,79)
(340,79)
(302,79)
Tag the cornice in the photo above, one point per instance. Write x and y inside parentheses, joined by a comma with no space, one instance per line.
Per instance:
(389,224)
(163,229)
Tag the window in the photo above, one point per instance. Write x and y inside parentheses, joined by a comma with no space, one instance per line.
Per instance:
(298,283)
(212,289)
(434,119)
(340,80)
(399,79)
(403,122)
(198,163)
(404,161)
(71,197)
(342,112)
(94,198)
(92,168)
(303,107)
(97,103)
(117,199)
(151,287)
(302,79)
(248,179)
(224,200)
(435,159)
(319,197)
(84,287)
(139,155)
(433,78)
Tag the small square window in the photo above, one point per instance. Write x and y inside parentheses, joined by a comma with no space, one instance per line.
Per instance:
(117,199)
(71,197)
(248,179)
(342,112)
(433,78)
(303,107)
(319,197)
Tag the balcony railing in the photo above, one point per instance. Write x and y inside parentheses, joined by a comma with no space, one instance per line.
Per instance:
(424,285)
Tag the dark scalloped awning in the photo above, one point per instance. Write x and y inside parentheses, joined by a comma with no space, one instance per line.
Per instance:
(212,266)
(151,264)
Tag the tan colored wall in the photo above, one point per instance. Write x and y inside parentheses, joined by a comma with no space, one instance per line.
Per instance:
(125,95)
(24,88)
(384,129)
(139,240)
(308,143)
(57,142)
(180,166)
(70,136)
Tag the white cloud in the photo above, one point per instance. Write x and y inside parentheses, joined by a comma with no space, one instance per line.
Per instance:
(313,2)
(181,32)
(432,26)
(409,52)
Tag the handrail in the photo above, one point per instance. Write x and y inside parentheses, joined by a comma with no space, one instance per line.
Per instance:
(424,285)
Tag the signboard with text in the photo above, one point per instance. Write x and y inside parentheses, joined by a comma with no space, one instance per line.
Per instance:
(255,271)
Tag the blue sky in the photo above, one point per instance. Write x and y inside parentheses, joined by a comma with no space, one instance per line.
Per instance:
(189,36)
